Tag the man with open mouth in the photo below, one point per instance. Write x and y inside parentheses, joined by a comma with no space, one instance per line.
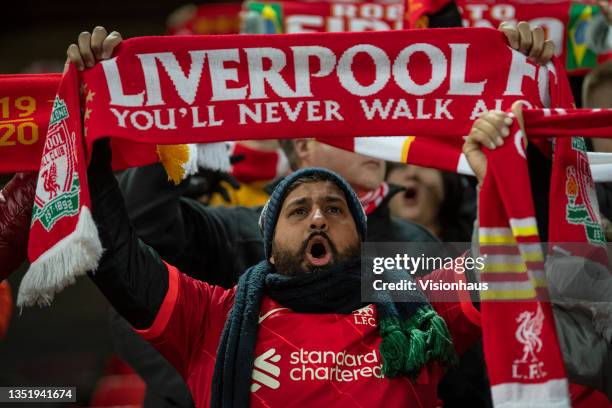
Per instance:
(294,328)
(319,251)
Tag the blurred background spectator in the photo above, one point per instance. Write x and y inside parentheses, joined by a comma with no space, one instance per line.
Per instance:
(442,202)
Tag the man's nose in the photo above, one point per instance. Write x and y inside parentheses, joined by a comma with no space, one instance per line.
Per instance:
(412,172)
(318,221)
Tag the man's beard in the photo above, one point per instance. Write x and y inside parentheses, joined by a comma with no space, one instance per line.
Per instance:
(294,263)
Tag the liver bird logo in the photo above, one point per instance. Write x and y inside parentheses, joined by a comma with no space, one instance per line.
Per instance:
(50,184)
(365,311)
(528,333)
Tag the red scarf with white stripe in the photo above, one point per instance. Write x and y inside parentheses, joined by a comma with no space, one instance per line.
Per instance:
(371,200)
(524,361)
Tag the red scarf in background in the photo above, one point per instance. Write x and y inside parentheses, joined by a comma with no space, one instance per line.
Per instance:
(25,106)
(257,165)
(566,23)
(25,109)
(212,18)
(327,16)
(372,199)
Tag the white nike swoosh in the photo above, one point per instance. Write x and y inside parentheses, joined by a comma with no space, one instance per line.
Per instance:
(264,317)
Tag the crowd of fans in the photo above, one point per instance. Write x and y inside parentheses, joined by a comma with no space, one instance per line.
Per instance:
(209,228)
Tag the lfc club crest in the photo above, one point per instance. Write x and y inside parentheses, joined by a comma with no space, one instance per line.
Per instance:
(582,207)
(57,191)
(528,333)
(365,316)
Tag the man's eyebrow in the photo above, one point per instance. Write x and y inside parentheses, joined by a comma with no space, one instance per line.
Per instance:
(333,199)
(298,201)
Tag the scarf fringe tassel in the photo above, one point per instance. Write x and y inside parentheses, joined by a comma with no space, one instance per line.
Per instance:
(182,160)
(408,346)
(550,394)
(59,267)
(214,156)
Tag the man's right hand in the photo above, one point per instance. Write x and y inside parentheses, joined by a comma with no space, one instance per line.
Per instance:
(93,47)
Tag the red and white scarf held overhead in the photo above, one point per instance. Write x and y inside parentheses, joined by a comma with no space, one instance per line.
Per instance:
(209,89)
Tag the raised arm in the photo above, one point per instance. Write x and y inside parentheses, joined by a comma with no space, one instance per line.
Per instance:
(156,212)
(131,275)
(166,307)
(205,243)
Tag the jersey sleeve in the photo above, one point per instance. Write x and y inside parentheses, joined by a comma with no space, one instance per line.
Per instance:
(191,310)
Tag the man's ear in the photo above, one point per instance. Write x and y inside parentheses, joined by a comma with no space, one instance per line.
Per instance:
(272,260)
(303,150)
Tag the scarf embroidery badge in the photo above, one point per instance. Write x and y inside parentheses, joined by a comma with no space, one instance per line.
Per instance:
(57,192)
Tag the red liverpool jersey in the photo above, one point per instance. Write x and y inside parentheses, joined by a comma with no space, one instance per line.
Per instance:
(301,359)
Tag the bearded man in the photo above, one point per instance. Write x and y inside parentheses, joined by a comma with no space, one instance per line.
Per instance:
(287,331)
